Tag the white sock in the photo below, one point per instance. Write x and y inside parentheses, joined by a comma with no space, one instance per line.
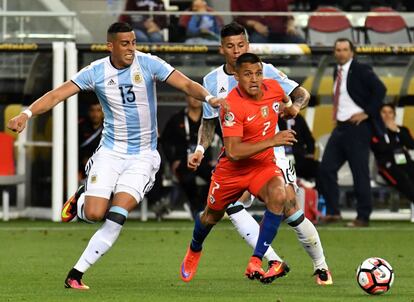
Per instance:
(249,229)
(99,244)
(309,238)
(81,209)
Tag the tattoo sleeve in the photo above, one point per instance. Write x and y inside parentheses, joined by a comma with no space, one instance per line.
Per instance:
(300,97)
(206,132)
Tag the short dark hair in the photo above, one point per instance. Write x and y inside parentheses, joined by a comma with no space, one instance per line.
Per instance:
(233,29)
(119,27)
(351,45)
(247,57)
(390,105)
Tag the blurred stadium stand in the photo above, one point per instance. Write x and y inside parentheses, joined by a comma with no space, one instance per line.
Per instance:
(26,71)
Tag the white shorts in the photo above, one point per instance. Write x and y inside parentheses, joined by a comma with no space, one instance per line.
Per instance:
(112,172)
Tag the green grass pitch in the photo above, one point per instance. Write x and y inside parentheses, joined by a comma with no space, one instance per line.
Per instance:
(144,263)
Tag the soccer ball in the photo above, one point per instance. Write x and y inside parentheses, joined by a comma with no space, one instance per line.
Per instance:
(375,276)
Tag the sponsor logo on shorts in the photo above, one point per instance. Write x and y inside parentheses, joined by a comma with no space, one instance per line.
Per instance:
(211,199)
(94,178)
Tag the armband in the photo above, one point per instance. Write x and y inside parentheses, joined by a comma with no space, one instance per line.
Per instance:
(288,104)
(28,112)
(200,148)
(208,98)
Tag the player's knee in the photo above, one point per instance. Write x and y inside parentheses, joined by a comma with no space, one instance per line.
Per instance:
(278,195)
(94,215)
(209,219)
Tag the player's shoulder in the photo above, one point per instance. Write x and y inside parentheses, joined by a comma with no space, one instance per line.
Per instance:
(213,74)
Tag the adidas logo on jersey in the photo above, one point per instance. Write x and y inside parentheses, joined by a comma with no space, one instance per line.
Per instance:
(222,90)
(111,82)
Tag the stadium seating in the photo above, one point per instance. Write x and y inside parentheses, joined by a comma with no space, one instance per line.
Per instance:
(324,30)
(7,170)
(386,29)
(408,118)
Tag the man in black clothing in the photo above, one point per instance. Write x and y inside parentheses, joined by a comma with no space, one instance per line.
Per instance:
(303,151)
(394,162)
(179,139)
(358,96)
(90,130)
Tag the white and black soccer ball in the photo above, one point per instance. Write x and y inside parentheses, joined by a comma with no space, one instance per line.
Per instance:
(375,276)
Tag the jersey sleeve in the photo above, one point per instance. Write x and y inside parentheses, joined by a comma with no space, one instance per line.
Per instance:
(232,120)
(160,69)
(208,111)
(287,84)
(84,79)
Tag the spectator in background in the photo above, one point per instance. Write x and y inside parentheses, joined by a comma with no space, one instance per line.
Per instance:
(179,139)
(267,29)
(303,151)
(394,162)
(201,29)
(90,130)
(147,28)
(357,99)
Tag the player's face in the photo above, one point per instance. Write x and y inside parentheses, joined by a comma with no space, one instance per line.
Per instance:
(122,48)
(233,47)
(343,52)
(250,77)
(387,114)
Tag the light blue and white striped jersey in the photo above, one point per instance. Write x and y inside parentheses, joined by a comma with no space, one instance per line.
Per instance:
(219,83)
(128,99)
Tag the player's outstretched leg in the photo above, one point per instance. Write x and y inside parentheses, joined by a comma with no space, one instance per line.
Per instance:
(98,245)
(189,265)
(249,229)
(70,208)
(309,238)
(268,230)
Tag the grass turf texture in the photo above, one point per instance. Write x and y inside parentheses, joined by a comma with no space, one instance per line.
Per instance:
(144,263)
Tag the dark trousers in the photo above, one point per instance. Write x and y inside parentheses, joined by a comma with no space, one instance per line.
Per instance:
(350,143)
(196,195)
(401,177)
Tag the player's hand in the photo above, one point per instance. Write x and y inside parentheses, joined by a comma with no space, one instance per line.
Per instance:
(219,102)
(284,138)
(18,123)
(194,160)
(290,112)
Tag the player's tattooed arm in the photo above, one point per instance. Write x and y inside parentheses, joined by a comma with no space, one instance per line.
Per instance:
(206,132)
(300,97)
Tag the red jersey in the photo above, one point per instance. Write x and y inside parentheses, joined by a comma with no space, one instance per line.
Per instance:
(252,120)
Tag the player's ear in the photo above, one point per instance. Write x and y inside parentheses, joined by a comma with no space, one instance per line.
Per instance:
(221,50)
(110,46)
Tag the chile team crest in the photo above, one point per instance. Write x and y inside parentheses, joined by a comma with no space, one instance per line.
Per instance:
(265,111)
(275,107)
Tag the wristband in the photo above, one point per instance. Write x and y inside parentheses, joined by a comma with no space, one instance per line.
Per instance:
(200,148)
(288,104)
(208,98)
(28,113)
